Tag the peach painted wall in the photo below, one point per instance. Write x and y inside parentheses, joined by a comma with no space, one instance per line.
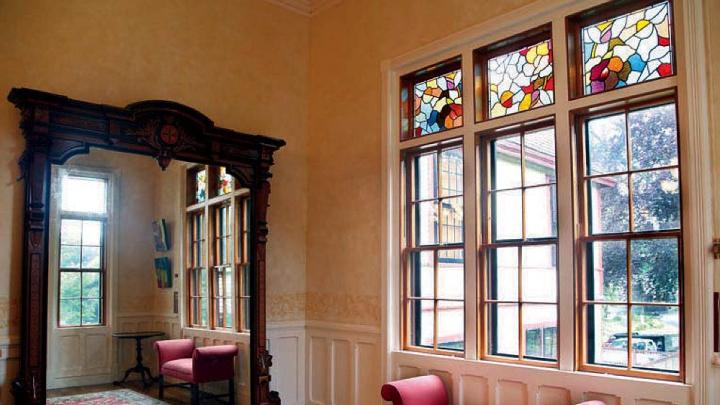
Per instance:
(347,44)
(239,62)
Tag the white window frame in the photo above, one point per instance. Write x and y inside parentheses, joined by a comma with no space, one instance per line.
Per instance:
(690,82)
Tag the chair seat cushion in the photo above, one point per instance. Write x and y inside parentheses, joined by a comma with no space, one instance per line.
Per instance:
(180,368)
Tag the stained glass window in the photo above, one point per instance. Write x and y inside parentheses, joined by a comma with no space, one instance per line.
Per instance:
(521,79)
(200,185)
(224,181)
(438,103)
(628,49)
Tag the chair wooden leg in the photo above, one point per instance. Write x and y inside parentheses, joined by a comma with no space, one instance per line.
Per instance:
(161,386)
(231,391)
(194,394)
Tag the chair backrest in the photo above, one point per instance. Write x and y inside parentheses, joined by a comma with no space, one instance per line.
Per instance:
(173,349)
(425,390)
(214,363)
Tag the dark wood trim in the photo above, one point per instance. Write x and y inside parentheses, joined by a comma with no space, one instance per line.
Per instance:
(57,128)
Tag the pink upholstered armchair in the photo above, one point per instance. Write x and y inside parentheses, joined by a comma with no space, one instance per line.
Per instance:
(181,360)
(425,390)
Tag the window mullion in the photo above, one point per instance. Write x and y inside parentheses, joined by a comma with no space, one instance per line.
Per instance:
(470,202)
(566,224)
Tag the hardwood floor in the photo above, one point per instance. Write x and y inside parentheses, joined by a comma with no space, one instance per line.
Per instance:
(173,396)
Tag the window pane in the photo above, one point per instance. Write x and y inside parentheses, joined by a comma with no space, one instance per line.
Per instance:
(91,233)
(90,257)
(539,275)
(452,220)
(200,186)
(228,283)
(655,270)
(451,172)
(540,212)
(521,80)
(540,157)
(426,223)
(70,312)
(438,103)
(507,218)
(609,210)
(421,322)
(451,274)
(607,334)
(451,325)
(656,200)
(203,282)
(426,181)
(503,320)
(203,311)
(606,145)
(540,328)
(627,49)
(228,313)
(422,274)
(70,232)
(607,267)
(84,194)
(90,311)
(224,181)
(69,257)
(503,275)
(91,285)
(653,137)
(505,163)
(656,337)
(70,286)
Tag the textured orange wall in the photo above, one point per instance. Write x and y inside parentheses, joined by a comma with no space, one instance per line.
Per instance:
(347,44)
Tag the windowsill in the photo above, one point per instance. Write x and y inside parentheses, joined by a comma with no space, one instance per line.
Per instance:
(215,331)
(524,368)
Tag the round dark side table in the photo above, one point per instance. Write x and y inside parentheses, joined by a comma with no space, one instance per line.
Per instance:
(139,366)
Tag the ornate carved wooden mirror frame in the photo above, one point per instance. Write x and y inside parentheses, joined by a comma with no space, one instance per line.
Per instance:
(56,128)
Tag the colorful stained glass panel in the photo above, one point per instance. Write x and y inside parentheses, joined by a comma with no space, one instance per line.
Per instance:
(224,182)
(438,104)
(200,186)
(628,49)
(521,80)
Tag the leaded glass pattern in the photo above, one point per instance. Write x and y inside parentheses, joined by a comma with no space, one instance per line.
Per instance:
(521,80)
(437,104)
(201,185)
(224,181)
(628,49)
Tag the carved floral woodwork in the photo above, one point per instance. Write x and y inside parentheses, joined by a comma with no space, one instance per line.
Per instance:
(56,128)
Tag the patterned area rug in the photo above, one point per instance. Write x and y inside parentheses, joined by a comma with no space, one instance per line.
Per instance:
(115,397)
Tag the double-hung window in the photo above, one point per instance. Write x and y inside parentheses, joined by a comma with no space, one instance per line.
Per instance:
(83,220)
(217,257)
(576,183)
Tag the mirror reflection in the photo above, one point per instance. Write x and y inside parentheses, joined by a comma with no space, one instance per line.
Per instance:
(149,292)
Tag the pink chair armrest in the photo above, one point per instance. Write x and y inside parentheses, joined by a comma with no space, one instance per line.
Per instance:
(425,390)
(213,363)
(169,350)
(592,403)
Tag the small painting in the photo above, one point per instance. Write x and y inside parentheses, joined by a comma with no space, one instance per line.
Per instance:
(160,234)
(163,272)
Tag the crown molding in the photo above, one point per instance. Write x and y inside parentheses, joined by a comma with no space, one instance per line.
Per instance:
(307,8)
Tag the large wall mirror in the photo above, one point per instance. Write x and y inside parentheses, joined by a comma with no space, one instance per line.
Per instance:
(98,181)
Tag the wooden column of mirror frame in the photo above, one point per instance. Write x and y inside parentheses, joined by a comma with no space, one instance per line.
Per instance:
(57,128)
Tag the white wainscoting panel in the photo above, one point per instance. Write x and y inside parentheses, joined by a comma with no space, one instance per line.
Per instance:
(286,343)
(343,366)
(487,383)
